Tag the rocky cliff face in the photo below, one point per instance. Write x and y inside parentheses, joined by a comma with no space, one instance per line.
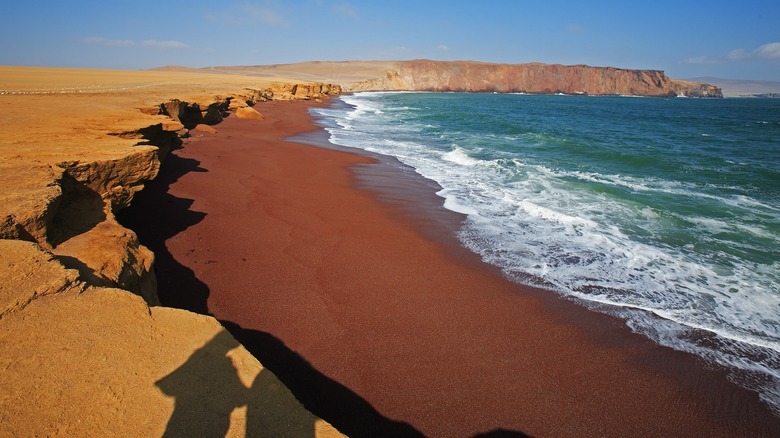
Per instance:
(467,76)
(695,89)
(68,208)
(83,352)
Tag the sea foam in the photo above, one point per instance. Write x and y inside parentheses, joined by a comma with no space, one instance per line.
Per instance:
(640,219)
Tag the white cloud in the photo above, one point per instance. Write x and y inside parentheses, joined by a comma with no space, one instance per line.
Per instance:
(169,44)
(700,60)
(442,48)
(737,55)
(769,51)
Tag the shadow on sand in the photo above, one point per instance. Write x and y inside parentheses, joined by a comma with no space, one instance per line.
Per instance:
(322,395)
(207,387)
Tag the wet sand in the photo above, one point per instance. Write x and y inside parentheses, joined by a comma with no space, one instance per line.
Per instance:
(367,308)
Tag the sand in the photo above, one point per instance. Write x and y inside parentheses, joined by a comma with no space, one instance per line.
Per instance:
(376,319)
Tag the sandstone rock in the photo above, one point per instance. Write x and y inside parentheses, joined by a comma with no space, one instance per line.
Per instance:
(28,273)
(206,128)
(84,360)
(695,89)
(301,90)
(306,91)
(188,114)
(27,210)
(165,136)
(215,112)
(237,103)
(390,81)
(117,179)
(109,255)
(102,363)
(248,113)
(252,96)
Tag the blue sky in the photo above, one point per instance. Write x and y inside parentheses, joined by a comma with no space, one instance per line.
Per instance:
(727,39)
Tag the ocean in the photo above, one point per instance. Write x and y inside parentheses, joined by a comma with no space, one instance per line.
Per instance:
(663,212)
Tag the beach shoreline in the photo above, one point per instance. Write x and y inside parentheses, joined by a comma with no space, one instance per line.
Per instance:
(305,248)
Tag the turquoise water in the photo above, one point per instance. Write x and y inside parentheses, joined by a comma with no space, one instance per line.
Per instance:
(665,212)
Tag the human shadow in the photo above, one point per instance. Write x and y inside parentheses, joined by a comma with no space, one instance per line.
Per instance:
(323,396)
(206,389)
(156,216)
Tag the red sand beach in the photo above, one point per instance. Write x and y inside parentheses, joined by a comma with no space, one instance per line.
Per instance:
(381,326)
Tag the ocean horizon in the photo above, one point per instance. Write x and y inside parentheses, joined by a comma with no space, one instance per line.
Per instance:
(663,212)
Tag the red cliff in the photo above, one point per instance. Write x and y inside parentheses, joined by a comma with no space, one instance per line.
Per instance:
(468,76)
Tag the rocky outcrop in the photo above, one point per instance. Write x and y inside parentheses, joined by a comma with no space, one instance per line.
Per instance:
(695,89)
(29,273)
(190,114)
(478,77)
(248,113)
(69,208)
(83,352)
(296,91)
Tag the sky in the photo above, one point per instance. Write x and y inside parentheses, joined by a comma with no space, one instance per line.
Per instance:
(725,39)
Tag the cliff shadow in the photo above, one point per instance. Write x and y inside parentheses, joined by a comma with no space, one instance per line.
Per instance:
(321,395)
(80,209)
(155,215)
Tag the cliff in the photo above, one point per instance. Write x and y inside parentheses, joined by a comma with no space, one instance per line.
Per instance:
(478,77)
(86,349)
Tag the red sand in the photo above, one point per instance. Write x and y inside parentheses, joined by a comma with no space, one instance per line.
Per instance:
(425,333)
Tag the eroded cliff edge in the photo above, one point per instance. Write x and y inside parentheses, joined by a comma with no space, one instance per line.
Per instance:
(86,351)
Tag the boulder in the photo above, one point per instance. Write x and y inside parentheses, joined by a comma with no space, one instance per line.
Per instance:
(248,113)
(206,128)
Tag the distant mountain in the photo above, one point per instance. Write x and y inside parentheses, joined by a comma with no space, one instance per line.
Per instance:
(742,88)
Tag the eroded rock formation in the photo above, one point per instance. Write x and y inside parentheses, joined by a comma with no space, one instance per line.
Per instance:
(83,351)
(68,208)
